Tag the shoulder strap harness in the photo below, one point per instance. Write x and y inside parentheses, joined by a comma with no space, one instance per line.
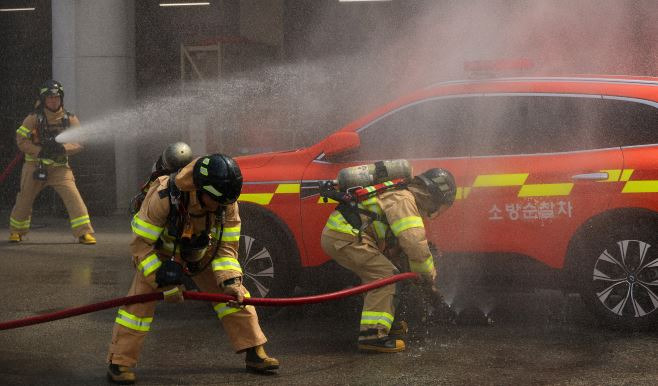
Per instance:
(42,123)
(348,202)
(178,221)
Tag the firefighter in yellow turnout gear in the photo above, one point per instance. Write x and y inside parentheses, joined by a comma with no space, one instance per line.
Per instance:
(46,164)
(188,223)
(365,253)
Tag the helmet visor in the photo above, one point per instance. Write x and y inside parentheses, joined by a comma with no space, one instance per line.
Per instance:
(224,195)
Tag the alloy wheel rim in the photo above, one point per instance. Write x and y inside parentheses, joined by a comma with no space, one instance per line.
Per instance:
(257,266)
(625,279)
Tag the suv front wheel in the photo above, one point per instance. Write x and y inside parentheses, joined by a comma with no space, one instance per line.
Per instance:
(618,274)
(267,255)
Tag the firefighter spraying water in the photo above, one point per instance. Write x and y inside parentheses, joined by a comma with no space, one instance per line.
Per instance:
(377,229)
(47,164)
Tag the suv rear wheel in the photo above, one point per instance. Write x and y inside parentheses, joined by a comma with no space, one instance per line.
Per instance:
(618,273)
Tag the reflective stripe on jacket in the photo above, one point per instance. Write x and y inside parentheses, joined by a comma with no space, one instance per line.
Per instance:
(28,141)
(149,226)
(403,221)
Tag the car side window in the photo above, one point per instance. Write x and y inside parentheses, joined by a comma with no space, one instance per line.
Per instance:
(520,124)
(430,128)
(631,123)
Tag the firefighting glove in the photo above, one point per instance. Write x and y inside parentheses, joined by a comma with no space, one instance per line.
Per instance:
(429,277)
(428,280)
(234,287)
(170,273)
(51,149)
(173,293)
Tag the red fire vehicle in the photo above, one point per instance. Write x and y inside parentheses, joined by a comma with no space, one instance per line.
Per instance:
(561,172)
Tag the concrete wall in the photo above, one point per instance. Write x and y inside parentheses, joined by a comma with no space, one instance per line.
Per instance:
(94,57)
(262,21)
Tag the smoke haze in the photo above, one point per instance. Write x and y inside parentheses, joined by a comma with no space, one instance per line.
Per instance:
(351,57)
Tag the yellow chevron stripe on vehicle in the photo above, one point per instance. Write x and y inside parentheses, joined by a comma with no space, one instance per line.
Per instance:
(489,181)
(492,180)
(462,192)
(615,175)
(544,190)
(646,186)
(258,198)
(287,188)
(626,174)
(266,198)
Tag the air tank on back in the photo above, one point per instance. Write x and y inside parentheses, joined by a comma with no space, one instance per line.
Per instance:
(375,173)
(174,157)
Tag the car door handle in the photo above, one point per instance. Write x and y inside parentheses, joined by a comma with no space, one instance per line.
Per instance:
(599,176)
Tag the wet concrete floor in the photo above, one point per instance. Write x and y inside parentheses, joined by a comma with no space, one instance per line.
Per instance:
(540,337)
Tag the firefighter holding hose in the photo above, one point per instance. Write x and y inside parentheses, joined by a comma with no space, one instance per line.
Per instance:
(46,164)
(365,237)
(188,223)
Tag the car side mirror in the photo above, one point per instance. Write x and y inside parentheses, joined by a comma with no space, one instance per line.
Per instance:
(341,142)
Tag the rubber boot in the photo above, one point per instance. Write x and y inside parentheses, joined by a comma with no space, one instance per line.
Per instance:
(87,239)
(121,375)
(373,340)
(14,237)
(257,360)
(398,329)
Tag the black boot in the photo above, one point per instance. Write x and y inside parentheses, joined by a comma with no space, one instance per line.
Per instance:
(398,329)
(373,340)
(121,375)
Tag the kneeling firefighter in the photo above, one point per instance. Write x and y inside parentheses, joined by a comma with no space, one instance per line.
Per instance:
(365,231)
(188,223)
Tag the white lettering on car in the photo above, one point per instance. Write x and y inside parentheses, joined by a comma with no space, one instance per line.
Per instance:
(513,211)
(543,210)
(495,213)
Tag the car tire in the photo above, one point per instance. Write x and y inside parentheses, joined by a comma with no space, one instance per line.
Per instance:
(617,273)
(268,256)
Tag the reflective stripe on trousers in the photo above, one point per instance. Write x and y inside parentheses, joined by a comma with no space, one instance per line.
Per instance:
(133,322)
(373,319)
(223,309)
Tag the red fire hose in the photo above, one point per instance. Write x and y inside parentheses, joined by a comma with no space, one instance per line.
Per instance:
(10,167)
(191,295)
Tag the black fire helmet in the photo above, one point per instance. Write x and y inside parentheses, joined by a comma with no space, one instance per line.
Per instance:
(51,88)
(440,184)
(219,176)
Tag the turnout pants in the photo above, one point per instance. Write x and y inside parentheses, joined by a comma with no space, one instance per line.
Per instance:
(366,261)
(62,180)
(134,321)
